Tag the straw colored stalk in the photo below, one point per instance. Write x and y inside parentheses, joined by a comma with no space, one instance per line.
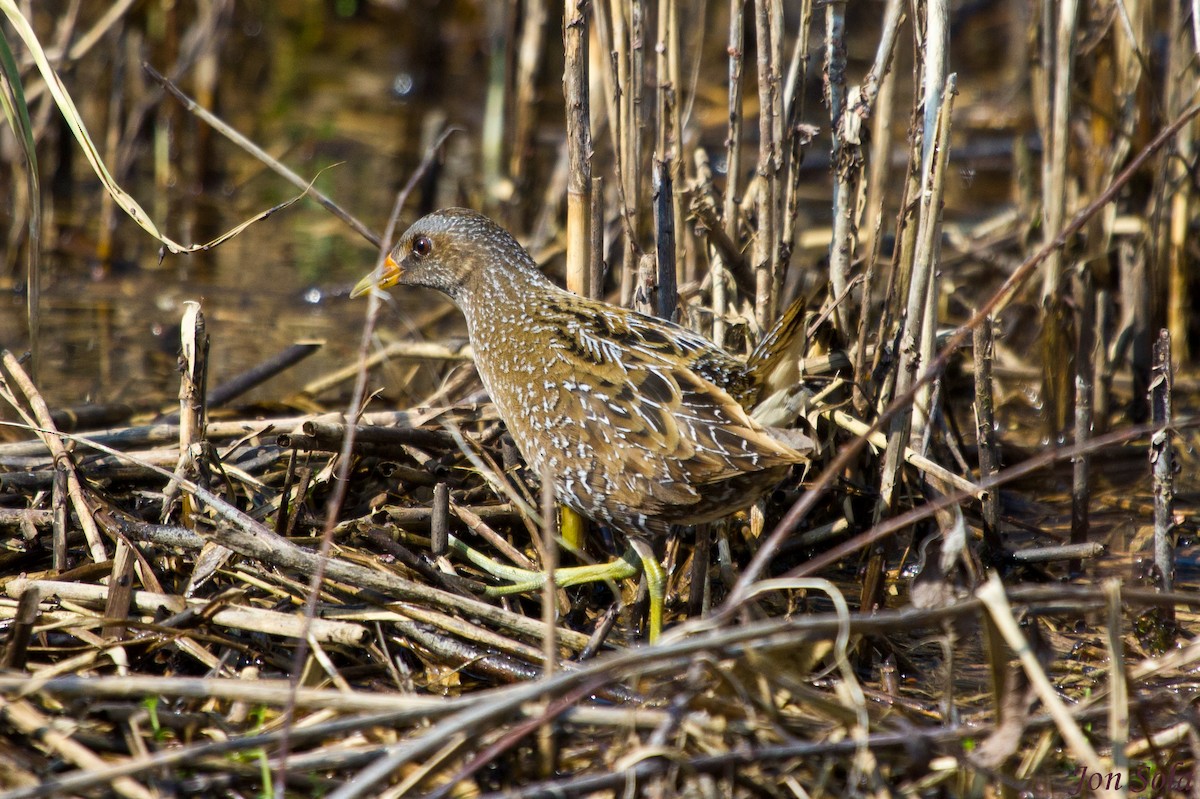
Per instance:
(1054,195)
(768,25)
(917,340)
(847,160)
(879,94)
(733,165)
(529,63)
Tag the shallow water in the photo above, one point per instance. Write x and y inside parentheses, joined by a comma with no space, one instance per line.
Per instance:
(336,99)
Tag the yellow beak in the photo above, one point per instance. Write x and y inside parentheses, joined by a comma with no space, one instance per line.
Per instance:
(388,277)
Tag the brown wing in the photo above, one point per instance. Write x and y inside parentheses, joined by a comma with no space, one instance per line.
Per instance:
(604,333)
(668,432)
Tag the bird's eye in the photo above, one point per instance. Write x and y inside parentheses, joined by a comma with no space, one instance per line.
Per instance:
(421,246)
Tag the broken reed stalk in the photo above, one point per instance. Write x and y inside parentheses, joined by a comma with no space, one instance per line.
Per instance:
(1056,135)
(284,518)
(549,533)
(666,133)
(1178,186)
(633,122)
(1057,344)
(879,96)
(768,24)
(730,216)
(579,146)
(797,136)
(1118,677)
(847,161)
(1162,461)
(922,288)
(59,499)
(667,294)
(16,647)
(120,592)
(579,182)
(1085,356)
(439,520)
(937,98)
(892,326)
(193,376)
(193,384)
(1074,552)
(985,437)
(595,288)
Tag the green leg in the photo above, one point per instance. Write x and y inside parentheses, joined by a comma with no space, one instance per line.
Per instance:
(523,581)
(572,526)
(639,557)
(656,585)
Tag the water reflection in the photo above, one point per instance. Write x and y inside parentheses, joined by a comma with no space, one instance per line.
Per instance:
(327,94)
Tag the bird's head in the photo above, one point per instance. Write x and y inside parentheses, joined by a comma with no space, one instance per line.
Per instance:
(455,251)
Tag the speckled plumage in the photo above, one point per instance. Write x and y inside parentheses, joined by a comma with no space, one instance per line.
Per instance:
(640,421)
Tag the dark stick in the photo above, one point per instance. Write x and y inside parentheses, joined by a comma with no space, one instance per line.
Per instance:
(699,597)
(667,297)
(985,436)
(766,251)
(16,649)
(58,505)
(439,520)
(282,517)
(106,414)
(595,288)
(303,478)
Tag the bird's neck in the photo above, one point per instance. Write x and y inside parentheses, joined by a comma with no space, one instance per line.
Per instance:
(498,295)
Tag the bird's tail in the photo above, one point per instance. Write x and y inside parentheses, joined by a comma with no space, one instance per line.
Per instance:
(775,365)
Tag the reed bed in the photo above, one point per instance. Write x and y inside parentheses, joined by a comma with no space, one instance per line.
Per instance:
(982,586)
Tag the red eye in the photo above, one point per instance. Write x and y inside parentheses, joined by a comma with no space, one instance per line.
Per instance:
(421,246)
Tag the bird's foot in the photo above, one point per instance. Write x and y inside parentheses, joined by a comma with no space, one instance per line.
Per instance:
(521,581)
(639,557)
